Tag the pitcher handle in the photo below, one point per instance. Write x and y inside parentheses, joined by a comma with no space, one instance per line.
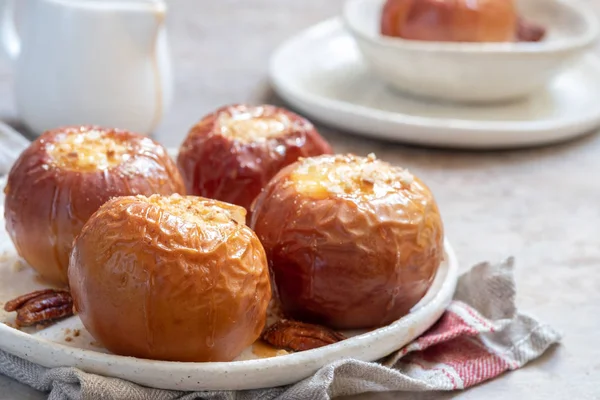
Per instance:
(10,37)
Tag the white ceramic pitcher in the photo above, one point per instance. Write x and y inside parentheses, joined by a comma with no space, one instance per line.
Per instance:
(103,62)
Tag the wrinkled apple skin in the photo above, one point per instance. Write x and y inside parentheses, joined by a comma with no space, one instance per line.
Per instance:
(148,283)
(220,167)
(46,205)
(348,263)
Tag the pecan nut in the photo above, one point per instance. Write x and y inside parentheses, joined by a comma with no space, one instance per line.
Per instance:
(41,307)
(299,336)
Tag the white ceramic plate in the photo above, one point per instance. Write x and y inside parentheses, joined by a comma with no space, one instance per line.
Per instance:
(59,346)
(321,73)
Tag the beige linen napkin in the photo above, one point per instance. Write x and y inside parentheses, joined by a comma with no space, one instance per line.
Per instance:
(11,145)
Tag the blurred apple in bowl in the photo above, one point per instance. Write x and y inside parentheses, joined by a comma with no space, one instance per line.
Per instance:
(475,51)
(450,20)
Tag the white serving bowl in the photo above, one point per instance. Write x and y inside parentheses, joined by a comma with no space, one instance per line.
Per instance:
(475,72)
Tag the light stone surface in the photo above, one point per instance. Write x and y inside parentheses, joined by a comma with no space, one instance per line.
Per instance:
(542,206)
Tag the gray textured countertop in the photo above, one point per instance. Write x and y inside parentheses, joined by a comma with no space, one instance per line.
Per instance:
(541,206)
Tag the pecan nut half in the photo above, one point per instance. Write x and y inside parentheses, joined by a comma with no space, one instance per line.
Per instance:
(299,336)
(41,307)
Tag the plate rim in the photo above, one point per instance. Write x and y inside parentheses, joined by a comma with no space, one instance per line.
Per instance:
(18,343)
(294,95)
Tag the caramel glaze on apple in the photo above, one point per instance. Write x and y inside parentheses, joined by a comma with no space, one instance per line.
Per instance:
(178,278)
(65,176)
(231,154)
(352,242)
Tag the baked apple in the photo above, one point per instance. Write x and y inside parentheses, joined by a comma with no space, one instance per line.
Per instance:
(231,154)
(352,242)
(170,278)
(65,176)
(451,20)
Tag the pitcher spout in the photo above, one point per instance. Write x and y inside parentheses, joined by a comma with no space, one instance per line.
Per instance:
(145,23)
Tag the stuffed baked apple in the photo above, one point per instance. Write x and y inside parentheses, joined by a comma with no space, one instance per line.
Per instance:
(352,242)
(457,21)
(232,153)
(65,176)
(170,278)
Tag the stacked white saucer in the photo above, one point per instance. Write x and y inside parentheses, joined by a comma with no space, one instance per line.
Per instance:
(343,73)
